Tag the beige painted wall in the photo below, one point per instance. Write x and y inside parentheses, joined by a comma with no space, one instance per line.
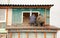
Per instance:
(9,16)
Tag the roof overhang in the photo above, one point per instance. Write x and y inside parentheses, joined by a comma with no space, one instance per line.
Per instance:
(3,6)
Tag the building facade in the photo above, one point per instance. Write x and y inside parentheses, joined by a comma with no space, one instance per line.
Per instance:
(15,20)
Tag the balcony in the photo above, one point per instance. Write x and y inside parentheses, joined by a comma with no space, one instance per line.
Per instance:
(27,27)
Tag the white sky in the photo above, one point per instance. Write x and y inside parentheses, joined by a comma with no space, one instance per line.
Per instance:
(27,1)
(54,13)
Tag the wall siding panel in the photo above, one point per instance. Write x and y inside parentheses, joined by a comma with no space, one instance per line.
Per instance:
(49,35)
(22,35)
(40,35)
(14,35)
(17,14)
(32,35)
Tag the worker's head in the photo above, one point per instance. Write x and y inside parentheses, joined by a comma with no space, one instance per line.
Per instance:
(39,14)
(33,14)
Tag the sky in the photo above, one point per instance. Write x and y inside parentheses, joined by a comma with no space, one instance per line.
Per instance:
(54,11)
(27,1)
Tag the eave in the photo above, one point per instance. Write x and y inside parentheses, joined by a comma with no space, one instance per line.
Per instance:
(3,6)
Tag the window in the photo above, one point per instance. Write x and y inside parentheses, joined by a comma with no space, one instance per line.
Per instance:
(2,18)
(2,15)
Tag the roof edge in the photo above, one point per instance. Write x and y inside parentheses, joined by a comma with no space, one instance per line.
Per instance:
(28,4)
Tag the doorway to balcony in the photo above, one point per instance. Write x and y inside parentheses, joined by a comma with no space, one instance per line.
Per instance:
(26,16)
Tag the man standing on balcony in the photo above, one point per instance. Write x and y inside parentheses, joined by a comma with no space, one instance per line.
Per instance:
(40,20)
(32,20)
